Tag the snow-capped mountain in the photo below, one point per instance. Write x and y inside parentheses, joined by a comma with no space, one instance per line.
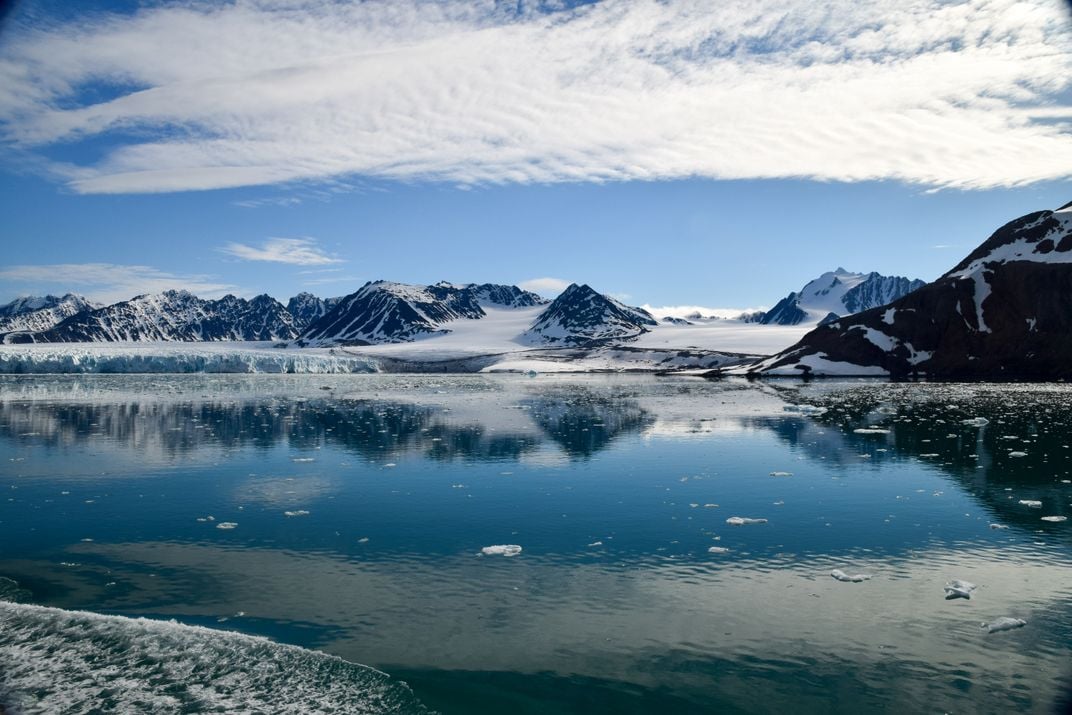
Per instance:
(581,316)
(36,313)
(1005,311)
(173,316)
(504,296)
(837,293)
(307,308)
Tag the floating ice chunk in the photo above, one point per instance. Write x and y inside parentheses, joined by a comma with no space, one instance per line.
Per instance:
(1017,454)
(390,464)
(501,550)
(226,525)
(998,526)
(855,578)
(710,506)
(596,543)
(805,409)
(297,512)
(781,474)
(1031,502)
(870,430)
(1055,518)
(976,422)
(363,540)
(717,550)
(303,459)
(959,589)
(742,520)
(1005,623)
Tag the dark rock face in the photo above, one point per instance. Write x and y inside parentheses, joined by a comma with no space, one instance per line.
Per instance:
(785,312)
(878,290)
(307,308)
(1004,312)
(581,316)
(35,314)
(505,296)
(841,293)
(385,312)
(174,316)
(675,321)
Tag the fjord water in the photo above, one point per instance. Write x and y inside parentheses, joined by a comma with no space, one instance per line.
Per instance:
(343,517)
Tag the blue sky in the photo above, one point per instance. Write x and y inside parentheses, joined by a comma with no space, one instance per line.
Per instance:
(668,153)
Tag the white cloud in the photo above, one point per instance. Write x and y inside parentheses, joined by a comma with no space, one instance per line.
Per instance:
(110,283)
(684,311)
(295,251)
(545,286)
(936,92)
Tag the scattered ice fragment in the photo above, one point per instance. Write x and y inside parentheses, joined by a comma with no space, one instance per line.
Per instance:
(742,520)
(805,409)
(501,550)
(226,525)
(781,474)
(297,512)
(998,526)
(1005,623)
(303,459)
(870,430)
(710,506)
(717,550)
(693,505)
(959,589)
(1031,502)
(1055,518)
(855,578)
(1017,454)
(929,455)
(390,464)
(977,422)
(594,543)
(363,540)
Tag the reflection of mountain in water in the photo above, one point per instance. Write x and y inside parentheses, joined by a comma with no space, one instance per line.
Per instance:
(1024,451)
(585,423)
(376,429)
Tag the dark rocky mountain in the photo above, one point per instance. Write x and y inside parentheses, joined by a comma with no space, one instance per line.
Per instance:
(1004,312)
(839,292)
(581,316)
(307,308)
(173,316)
(504,296)
(36,313)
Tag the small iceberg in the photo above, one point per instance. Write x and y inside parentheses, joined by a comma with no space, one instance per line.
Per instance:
(226,525)
(959,589)
(1035,503)
(781,474)
(976,422)
(1017,454)
(297,512)
(855,578)
(501,550)
(717,550)
(1005,623)
(742,520)
(1056,519)
(998,526)
(870,430)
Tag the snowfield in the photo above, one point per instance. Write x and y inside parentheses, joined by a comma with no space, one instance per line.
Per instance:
(494,343)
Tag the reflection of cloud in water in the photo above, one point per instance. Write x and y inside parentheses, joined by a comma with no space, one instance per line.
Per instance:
(531,614)
(285,491)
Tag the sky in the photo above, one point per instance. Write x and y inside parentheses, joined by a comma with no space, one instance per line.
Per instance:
(683,152)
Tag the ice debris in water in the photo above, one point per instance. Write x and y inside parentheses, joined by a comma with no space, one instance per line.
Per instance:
(855,578)
(1055,518)
(976,422)
(742,520)
(805,409)
(303,459)
(76,662)
(1031,502)
(870,430)
(226,525)
(296,512)
(717,550)
(501,550)
(998,526)
(781,474)
(1005,623)
(1017,454)
(959,589)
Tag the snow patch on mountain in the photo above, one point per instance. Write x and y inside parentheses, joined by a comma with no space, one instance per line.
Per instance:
(580,315)
(33,314)
(840,293)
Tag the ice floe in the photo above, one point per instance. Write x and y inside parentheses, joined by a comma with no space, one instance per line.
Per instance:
(976,422)
(1035,503)
(717,550)
(870,430)
(959,589)
(1055,518)
(1005,623)
(743,520)
(226,525)
(781,474)
(296,512)
(501,550)
(998,526)
(854,578)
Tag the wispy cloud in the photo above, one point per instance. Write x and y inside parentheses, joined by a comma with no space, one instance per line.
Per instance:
(295,251)
(204,95)
(545,286)
(109,282)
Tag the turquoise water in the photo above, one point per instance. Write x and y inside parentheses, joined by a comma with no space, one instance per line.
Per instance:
(360,506)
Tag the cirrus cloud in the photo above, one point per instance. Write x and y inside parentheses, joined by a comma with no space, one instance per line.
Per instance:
(293,251)
(962,93)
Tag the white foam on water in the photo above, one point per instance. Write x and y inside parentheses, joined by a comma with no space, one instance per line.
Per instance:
(74,661)
(854,578)
(501,550)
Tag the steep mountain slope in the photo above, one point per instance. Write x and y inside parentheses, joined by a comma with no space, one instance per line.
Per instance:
(581,316)
(173,316)
(307,308)
(1003,312)
(504,296)
(839,293)
(35,313)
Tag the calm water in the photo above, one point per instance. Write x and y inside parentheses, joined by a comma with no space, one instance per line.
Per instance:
(360,505)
